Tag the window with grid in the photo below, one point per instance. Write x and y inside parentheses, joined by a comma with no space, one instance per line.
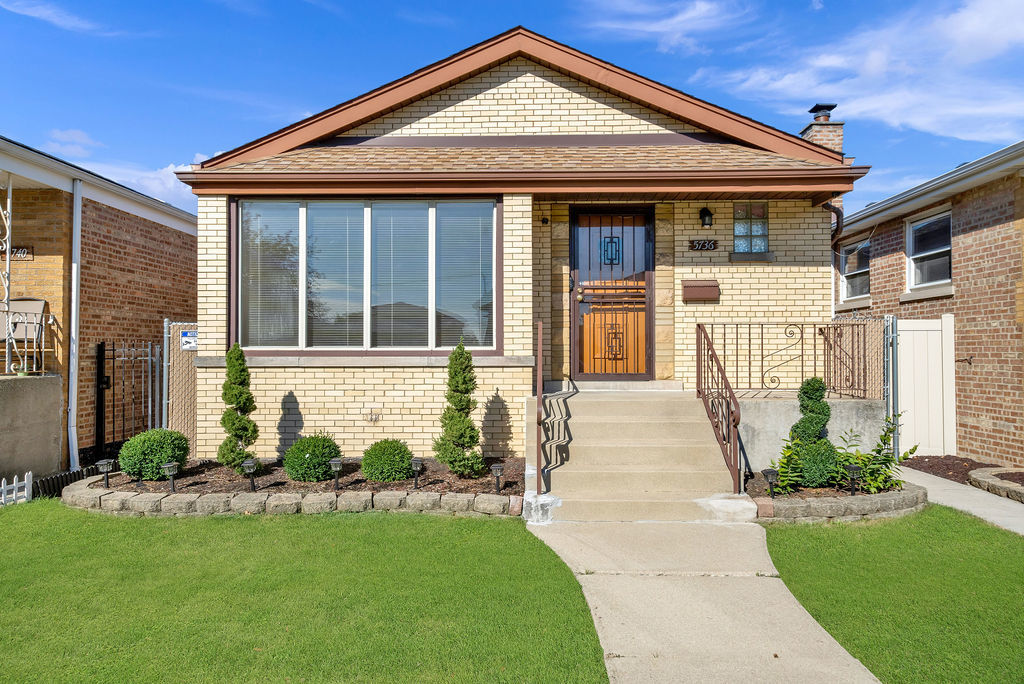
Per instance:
(855,267)
(929,251)
(750,227)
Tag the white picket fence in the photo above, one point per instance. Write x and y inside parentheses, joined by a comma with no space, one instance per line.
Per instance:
(18,491)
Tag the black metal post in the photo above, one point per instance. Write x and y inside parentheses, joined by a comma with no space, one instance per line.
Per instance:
(853,485)
(99,435)
(335,481)
(497,484)
(415,479)
(171,477)
(252,482)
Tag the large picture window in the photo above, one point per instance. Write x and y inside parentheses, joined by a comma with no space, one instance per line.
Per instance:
(855,267)
(929,251)
(366,275)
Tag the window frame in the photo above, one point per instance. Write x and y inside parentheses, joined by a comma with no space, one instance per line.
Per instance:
(843,294)
(366,349)
(767,252)
(908,242)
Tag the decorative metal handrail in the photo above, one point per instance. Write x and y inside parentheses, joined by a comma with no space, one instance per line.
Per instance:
(27,339)
(540,406)
(720,402)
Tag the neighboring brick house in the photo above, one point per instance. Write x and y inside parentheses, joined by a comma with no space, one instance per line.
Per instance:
(517,181)
(135,262)
(954,245)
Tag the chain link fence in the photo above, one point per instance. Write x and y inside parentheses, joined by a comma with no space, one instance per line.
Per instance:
(179,400)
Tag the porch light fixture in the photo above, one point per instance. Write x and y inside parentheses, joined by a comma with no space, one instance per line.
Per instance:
(335,464)
(105,465)
(772,475)
(497,469)
(417,468)
(170,470)
(249,466)
(706,217)
(854,471)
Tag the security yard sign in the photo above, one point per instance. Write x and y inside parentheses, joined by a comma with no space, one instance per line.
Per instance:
(189,340)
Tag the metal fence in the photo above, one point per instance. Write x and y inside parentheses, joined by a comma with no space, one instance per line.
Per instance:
(26,341)
(128,391)
(179,380)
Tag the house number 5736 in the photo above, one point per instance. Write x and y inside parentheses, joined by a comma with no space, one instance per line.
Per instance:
(703,245)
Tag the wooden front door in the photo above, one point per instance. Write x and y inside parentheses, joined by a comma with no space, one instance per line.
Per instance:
(611,310)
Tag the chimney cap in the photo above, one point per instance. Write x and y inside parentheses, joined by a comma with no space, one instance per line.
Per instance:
(822,110)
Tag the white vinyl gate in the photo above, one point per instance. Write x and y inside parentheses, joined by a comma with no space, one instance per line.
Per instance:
(926,391)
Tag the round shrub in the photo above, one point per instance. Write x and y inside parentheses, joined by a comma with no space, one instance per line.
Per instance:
(388,460)
(818,463)
(308,460)
(145,453)
(815,410)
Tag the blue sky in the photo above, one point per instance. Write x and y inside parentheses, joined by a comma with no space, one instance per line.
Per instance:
(133,89)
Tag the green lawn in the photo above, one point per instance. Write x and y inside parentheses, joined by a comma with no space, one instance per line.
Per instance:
(351,598)
(934,597)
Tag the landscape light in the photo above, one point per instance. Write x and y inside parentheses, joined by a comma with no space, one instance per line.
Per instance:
(105,465)
(854,471)
(772,475)
(335,464)
(417,468)
(170,470)
(497,469)
(249,466)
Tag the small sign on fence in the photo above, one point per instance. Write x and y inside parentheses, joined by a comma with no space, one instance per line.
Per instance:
(189,340)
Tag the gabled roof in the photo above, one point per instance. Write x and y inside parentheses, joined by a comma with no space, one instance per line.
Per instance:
(520,42)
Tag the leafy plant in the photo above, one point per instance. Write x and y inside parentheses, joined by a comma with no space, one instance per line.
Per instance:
(242,431)
(879,467)
(790,472)
(815,410)
(388,460)
(457,445)
(146,452)
(818,464)
(308,460)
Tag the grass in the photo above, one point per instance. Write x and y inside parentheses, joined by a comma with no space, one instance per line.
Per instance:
(934,597)
(336,597)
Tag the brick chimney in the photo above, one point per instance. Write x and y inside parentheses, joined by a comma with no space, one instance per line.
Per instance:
(823,131)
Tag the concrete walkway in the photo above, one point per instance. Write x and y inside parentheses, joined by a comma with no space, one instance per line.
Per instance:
(997,510)
(695,602)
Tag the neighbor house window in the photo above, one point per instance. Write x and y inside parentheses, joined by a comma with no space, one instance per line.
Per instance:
(929,250)
(359,275)
(854,266)
(750,227)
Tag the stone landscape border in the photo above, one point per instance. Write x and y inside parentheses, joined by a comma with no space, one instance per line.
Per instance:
(137,504)
(987,479)
(895,504)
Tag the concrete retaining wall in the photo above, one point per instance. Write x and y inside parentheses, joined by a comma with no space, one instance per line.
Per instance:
(765,423)
(31,410)
(911,499)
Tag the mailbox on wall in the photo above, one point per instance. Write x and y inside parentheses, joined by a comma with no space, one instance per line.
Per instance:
(701,291)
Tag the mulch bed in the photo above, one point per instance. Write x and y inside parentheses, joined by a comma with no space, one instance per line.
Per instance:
(950,467)
(209,477)
(758,486)
(1017,477)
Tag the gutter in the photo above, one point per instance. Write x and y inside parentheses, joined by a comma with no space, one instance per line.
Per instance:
(837,231)
(73,347)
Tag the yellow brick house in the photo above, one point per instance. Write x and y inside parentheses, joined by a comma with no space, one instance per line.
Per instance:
(518,181)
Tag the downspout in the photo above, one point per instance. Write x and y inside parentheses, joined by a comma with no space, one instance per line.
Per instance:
(837,230)
(76,280)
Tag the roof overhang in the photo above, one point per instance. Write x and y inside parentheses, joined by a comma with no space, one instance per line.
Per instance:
(520,42)
(819,184)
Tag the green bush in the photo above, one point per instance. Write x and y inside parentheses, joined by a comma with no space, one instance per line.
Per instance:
(457,445)
(879,466)
(388,460)
(789,467)
(308,460)
(815,410)
(145,453)
(242,431)
(818,464)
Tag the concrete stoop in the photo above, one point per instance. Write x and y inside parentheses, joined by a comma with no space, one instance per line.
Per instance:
(629,456)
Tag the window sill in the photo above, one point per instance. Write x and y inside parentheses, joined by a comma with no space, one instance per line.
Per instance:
(927,292)
(751,256)
(854,303)
(314,360)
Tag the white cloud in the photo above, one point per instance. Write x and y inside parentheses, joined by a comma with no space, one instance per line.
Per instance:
(945,74)
(673,25)
(160,183)
(817,5)
(71,143)
(57,16)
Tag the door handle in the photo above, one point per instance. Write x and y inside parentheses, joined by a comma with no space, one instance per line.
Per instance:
(579,298)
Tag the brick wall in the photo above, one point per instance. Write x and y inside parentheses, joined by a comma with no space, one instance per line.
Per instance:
(520,97)
(134,274)
(988,310)
(825,133)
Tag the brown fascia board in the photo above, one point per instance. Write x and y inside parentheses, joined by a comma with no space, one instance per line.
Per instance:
(819,183)
(515,43)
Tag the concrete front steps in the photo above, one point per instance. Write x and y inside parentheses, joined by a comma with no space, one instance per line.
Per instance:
(630,455)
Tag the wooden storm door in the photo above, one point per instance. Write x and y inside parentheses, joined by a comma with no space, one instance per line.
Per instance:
(611,299)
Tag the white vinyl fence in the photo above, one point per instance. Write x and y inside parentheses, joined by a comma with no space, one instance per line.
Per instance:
(18,491)
(927,391)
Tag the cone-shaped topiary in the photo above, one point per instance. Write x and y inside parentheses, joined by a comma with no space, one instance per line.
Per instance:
(815,410)
(242,431)
(456,447)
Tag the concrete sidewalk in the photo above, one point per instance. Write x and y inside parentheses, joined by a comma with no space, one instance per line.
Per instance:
(695,602)
(997,510)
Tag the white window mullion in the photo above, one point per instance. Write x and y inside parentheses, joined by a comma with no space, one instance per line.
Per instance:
(431,275)
(302,275)
(367,241)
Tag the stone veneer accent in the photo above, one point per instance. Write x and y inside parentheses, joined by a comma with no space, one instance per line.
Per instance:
(911,499)
(153,504)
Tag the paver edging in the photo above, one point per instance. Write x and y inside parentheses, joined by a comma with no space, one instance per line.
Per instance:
(80,495)
(900,502)
(987,479)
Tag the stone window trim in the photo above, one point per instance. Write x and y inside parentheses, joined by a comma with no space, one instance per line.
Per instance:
(751,256)
(928,292)
(378,354)
(863,302)
(295,359)
(910,223)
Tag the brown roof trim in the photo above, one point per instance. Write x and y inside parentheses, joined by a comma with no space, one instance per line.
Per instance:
(556,140)
(821,180)
(522,42)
